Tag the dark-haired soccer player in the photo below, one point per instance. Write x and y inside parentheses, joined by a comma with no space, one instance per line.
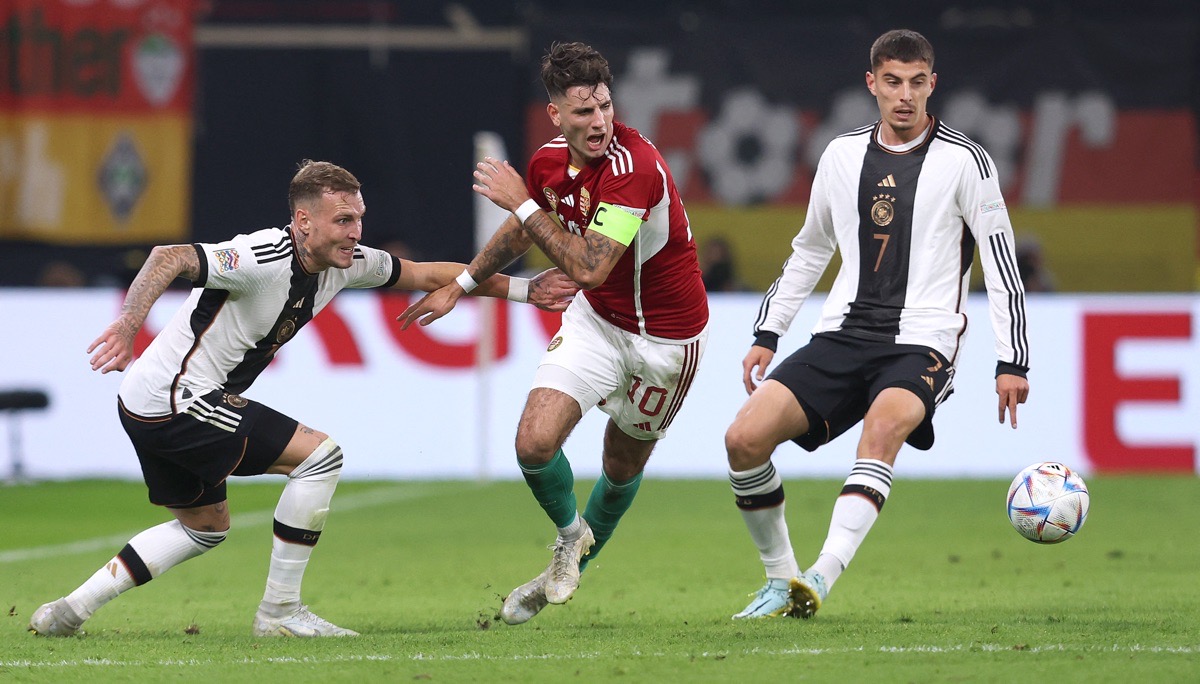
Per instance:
(905,200)
(600,201)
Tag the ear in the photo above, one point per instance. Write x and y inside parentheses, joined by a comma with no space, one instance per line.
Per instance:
(871,82)
(552,110)
(300,220)
(932,81)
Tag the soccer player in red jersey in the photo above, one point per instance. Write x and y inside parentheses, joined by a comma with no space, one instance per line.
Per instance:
(600,201)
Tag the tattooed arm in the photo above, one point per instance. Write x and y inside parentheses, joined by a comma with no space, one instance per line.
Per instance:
(508,243)
(114,347)
(585,259)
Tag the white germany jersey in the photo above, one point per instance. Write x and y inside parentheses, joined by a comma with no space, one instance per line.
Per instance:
(906,224)
(251,297)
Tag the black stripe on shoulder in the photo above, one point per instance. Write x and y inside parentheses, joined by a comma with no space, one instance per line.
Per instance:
(283,246)
(358,253)
(273,257)
(947,134)
(858,131)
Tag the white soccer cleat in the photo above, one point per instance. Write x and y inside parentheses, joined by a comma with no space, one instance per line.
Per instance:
(563,579)
(302,623)
(773,600)
(56,618)
(525,601)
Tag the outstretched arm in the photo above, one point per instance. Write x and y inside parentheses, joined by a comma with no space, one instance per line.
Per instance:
(549,290)
(114,347)
(587,259)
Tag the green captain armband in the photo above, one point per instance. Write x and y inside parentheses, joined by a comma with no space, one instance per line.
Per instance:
(614,222)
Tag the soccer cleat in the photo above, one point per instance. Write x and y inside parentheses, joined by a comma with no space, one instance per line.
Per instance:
(525,601)
(302,623)
(563,577)
(773,600)
(808,591)
(56,618)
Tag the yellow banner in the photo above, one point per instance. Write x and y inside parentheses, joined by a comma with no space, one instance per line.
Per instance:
(71,178)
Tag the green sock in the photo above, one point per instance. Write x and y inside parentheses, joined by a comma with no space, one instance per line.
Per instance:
(607,503)
(553,485)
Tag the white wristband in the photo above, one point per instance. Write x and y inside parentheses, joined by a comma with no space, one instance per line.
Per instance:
(518,290)
(526,210)
(465,280)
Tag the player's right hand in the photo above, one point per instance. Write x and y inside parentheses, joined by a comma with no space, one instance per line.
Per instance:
(757,358)
(432,306)
(114,347)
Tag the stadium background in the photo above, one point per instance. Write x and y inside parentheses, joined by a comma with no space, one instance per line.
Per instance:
(129,123)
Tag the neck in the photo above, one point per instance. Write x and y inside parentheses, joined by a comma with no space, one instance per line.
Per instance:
(302,252)
(891,136)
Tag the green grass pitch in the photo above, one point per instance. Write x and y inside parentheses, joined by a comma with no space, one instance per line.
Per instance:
(943,590)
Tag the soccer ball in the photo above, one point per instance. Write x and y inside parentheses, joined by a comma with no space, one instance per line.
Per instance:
(1047,503)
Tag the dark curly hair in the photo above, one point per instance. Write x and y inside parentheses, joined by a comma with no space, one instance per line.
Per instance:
(567,65)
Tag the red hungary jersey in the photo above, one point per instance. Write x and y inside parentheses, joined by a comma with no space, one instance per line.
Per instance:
(655,288)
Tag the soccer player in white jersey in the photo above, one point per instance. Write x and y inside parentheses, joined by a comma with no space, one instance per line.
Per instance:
(600,201)
(905,200)
(182,405)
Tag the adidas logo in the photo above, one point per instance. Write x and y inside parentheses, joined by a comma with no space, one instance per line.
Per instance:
(889,182)
(928,381)
(644,427)
(299,304)
(186,394)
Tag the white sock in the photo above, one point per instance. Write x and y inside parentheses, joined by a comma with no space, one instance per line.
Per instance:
(854,512)
(759,495)
(299,518)
(149,554)
(572,530)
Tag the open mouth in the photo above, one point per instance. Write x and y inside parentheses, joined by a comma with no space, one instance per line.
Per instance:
(595,141)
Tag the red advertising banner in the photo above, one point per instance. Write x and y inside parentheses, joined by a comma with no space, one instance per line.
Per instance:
(95,119)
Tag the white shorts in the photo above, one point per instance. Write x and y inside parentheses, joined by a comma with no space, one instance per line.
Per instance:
(639,383)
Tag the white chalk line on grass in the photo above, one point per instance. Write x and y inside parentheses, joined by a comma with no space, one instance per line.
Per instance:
(349,502)
(606,655)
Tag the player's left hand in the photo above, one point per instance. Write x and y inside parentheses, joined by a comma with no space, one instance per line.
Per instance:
(114,347)
(1013,390)
(499,181)
(432,306)
(552,290)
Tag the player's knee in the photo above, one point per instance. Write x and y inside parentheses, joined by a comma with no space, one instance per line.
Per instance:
(205,540)
(534,449)
(746,448)
(324,463)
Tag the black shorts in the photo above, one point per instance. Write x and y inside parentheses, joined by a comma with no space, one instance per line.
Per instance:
(187,457)
(836,376)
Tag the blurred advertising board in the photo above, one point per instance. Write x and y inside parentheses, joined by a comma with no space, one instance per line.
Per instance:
(95,120)
(1115,387)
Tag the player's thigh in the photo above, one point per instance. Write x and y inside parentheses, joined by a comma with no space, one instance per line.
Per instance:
(925,375)
(827,377)
(187,457)
(891,418)
(655,378)
(592,354)
(302,443)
